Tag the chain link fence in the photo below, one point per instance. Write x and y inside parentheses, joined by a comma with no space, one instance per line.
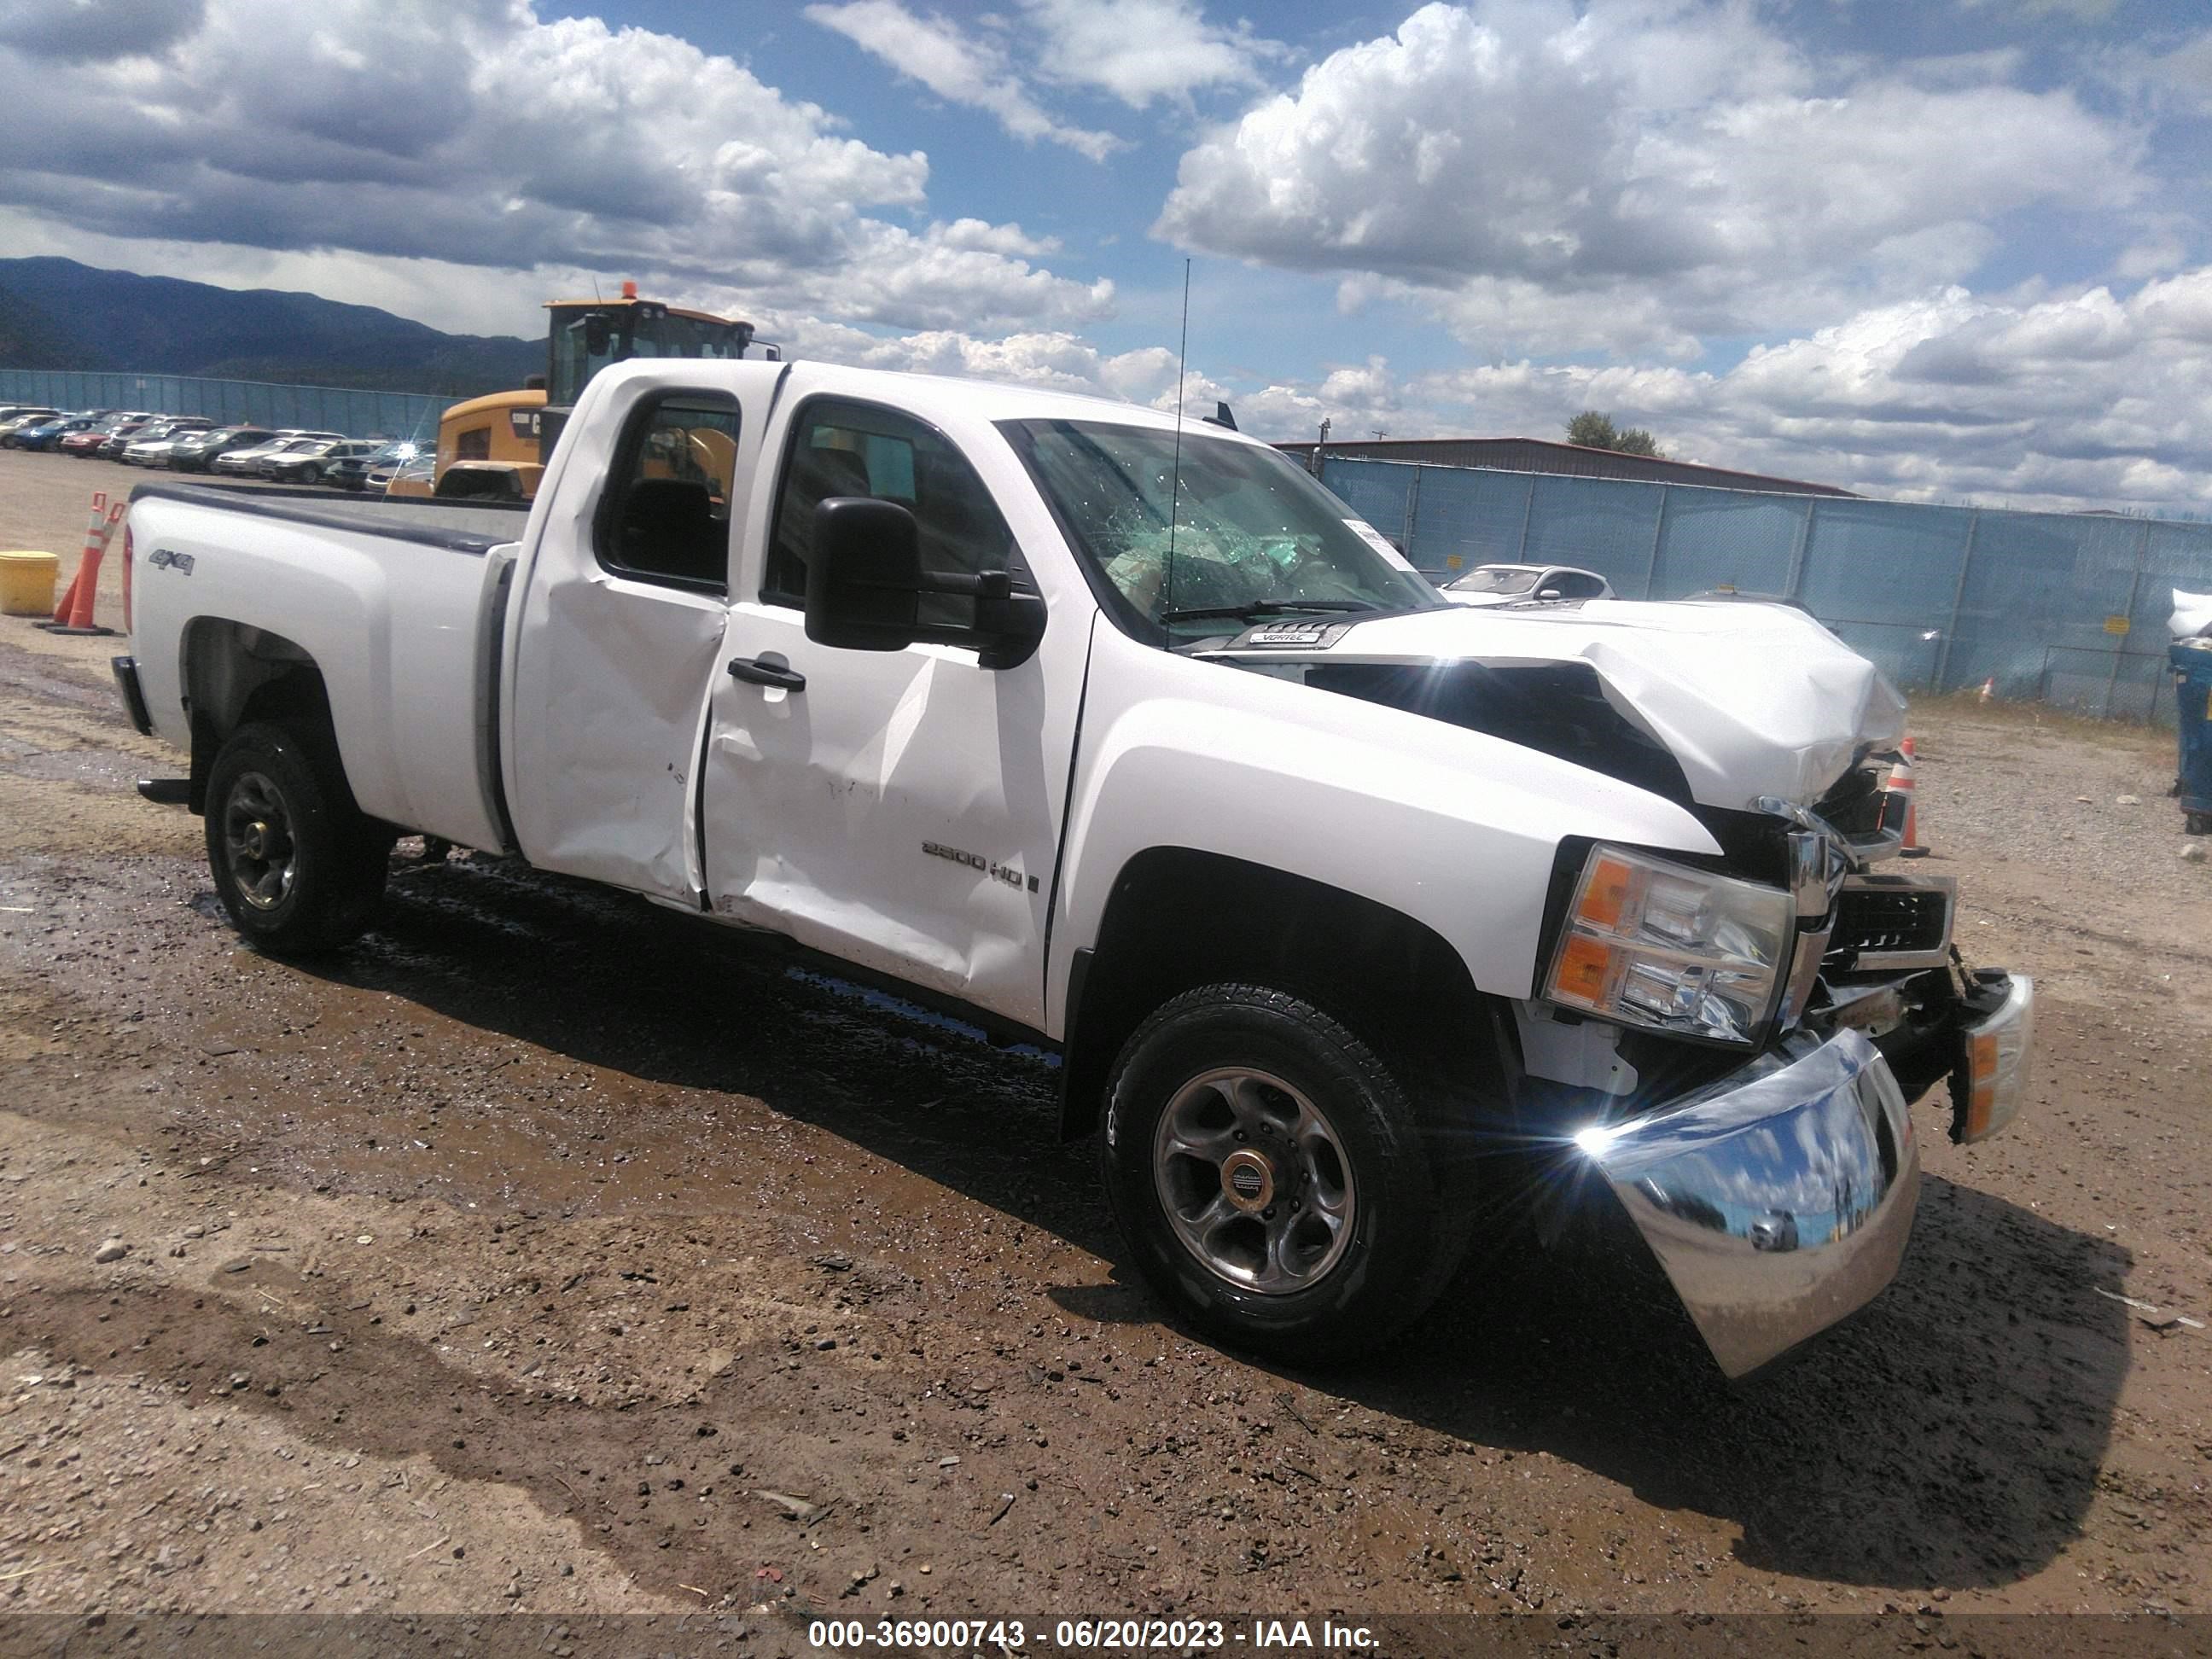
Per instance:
(358,414)
(2067,609)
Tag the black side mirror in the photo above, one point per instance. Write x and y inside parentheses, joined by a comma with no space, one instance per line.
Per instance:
(1009,621)
(864,578)
(863,574)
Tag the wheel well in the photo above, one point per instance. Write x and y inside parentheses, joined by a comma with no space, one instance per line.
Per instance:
(234,674)
(1178,918)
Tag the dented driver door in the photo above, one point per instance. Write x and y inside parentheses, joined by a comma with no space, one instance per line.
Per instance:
(616,639)
(896,809)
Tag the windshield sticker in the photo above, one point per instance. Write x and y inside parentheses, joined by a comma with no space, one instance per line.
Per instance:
(1375,539)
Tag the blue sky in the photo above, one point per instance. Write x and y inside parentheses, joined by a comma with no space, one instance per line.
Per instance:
(1951,251)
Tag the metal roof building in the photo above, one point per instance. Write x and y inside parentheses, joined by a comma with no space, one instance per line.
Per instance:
(1573,460)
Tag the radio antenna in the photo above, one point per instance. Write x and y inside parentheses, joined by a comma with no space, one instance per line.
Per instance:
(1175,487)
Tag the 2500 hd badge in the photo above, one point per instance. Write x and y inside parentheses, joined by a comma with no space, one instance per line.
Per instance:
(1004,873)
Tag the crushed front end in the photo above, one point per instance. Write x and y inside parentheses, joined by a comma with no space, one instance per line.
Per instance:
(1733,1046)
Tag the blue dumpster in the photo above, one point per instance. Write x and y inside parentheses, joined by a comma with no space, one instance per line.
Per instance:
(2192,690)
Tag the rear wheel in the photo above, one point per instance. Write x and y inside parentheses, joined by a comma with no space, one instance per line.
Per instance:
(1271,1178)
(299,867)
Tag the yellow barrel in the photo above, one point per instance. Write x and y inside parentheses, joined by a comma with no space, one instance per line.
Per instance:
(26,583)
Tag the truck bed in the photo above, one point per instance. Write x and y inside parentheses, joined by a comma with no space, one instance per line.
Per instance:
(399,604)
(457,526)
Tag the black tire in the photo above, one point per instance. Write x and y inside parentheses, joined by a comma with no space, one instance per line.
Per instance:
(311,474)
(299,867)
(2198,823)
(1407,1225)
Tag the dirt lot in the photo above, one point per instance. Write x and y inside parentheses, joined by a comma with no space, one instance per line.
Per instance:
(548,1252)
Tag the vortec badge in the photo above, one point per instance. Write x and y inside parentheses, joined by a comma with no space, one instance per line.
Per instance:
(1293,636)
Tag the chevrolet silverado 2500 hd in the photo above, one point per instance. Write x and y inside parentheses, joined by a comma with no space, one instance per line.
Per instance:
(1131,741)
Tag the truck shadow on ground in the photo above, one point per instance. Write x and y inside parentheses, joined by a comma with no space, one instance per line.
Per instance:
(1950,1434)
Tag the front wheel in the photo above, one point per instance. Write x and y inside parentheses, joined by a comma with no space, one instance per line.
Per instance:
(1270,1177)
(299,867)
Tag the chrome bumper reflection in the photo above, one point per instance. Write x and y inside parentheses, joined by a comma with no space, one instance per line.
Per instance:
(1776,1202)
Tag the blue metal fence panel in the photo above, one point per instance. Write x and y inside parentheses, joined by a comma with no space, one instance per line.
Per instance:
(2067,608)
(356,412)
(1883,581)
(1458,529)
(1866,562)
(1727,538)
(2033,608)
(1615,532)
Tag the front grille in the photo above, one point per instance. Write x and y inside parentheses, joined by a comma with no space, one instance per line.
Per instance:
(1892,921)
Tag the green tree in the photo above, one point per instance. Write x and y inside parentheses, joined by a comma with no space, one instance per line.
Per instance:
(1594,429)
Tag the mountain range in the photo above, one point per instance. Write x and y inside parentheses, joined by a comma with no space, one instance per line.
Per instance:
(57,313)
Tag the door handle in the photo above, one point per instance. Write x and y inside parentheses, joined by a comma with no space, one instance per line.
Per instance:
(770,670)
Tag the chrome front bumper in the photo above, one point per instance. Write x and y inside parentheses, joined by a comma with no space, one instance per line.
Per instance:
(1777,1200)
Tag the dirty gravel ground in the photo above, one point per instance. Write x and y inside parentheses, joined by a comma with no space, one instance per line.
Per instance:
(550,1252)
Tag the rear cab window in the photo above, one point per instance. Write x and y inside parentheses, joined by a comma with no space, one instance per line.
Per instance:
(664,518)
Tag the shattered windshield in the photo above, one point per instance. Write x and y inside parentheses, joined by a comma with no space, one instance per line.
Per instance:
(1253,535)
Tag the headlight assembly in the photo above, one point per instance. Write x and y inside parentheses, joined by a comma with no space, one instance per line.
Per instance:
(1663,946)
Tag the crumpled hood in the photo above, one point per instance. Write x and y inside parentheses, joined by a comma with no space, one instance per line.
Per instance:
(1750,699)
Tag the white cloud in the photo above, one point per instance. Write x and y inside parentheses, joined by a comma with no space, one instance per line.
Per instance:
(940,280)
(1633,175)
(2179,78)
(2083,12)
(957,66)
(982,236)
(1142,51)
(1138,52)
(1062,362)
(2081,398)
(475,134)
(81,30)
(1053,359)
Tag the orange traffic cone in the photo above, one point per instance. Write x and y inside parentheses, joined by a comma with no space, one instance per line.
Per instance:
(1900,782)
(1989,688)
(91,534)
(128,561)
(74,614)
(65,604)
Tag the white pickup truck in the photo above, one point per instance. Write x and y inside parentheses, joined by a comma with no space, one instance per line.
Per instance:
(1343,905)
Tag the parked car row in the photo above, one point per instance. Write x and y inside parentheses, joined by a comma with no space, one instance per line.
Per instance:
(193,443)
